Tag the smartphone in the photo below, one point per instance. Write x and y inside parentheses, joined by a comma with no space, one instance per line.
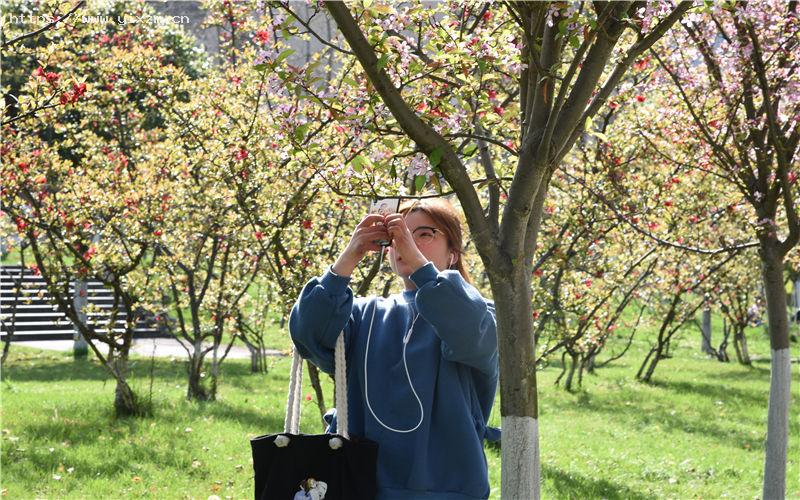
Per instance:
(384,206)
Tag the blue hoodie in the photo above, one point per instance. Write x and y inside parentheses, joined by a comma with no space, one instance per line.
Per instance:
(453,364)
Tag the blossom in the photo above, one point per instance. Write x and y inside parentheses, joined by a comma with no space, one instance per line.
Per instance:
(262,36)
(241,154)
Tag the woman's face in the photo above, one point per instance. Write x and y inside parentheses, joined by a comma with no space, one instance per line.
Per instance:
(435,250)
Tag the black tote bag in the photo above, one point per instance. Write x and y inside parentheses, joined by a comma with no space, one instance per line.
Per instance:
(294,466)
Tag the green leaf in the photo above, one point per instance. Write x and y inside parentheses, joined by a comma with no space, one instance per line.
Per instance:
(573,40)
(419,182)
(436,184)
(393,172)
(382,61)
(359,162)
(436,156)
(300,132)
(260,67)
(470,150)
(283,55)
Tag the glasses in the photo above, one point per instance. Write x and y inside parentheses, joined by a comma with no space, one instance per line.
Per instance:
(424,234)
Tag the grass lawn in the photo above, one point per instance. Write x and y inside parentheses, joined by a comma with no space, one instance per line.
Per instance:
(697,432)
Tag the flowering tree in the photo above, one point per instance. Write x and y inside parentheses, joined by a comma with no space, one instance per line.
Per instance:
(435,83)
(737,289)
(735,83)
(588,270)
(77,167)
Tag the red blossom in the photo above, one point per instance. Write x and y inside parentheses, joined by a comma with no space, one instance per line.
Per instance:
(640,98)
(241,154)
(88,254)
(259,235)
(307,224)
(499,110)
(641,64)
(262,36)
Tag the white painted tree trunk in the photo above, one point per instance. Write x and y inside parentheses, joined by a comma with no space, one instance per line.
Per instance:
(777,426)
(80,299)
(520,439)
(706,332)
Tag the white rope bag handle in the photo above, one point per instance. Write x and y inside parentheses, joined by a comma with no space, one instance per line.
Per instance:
(291,424)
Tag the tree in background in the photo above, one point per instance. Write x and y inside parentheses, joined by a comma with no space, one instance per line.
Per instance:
(78,173)
(735,105)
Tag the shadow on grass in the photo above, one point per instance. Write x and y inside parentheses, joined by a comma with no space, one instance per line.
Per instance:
(83,369)
(52,368)
(134,440)
(664,416)
(713,391)
(758,371)
(572,485)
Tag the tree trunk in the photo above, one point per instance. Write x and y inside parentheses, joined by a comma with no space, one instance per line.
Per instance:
(80,298)
(573,365)
(651,367)
(256,356)
(519,405)
(722,350)
(705,330)
(590,361)
(740,344)
(195,390)
(125,401)
(779,391)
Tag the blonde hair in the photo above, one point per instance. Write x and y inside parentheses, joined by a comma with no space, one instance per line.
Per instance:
(447,218)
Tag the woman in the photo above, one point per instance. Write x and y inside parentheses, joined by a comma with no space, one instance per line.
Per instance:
(422,364)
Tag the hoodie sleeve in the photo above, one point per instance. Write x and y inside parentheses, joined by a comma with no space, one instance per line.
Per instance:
(323,310)
(461,317)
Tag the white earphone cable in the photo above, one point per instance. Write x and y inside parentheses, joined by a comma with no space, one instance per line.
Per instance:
(406,339)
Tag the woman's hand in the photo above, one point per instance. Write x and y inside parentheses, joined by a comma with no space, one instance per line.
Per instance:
(367,232)
(403,242)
